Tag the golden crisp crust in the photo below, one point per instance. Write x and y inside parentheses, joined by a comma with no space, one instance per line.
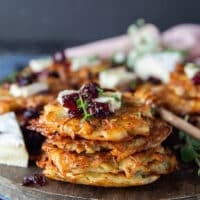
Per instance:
(182,85)
(131,120)
(172,99)
(120,149)
(9,103)
(103,180)
(66,80)
(66,164)
(98,179)
(180,95)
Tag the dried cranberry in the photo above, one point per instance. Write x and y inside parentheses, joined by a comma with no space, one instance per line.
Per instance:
(59,57)
(99,109)
(89,91)
(69,101)
(26,80)
(27,180)
(36,179)
(75,113)
(196,79)
(39,179)
(31,113)
(154,80)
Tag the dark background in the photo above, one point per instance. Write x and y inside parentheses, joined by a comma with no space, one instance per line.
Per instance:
(60,23)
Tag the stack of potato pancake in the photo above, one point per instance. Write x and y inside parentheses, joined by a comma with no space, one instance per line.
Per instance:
(117,149)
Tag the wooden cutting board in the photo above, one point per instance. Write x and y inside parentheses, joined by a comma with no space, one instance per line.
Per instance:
(182,184)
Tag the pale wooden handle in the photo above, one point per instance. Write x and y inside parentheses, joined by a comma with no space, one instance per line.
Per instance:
(179,123)
(103,48)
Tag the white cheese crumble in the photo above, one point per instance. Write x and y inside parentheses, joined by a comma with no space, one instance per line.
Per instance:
(29,90)
(158,65)
(113,99)
(112,78)
(12,146)
(40,64)
(191,69)
(85,61)
(144,38)
(119,57)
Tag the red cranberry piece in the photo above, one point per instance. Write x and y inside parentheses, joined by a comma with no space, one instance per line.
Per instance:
(154,80)
(39,179)
(75,113)
(99,109)
(89,91)
(196,79)
(69,101)
(36,179)
(27,180)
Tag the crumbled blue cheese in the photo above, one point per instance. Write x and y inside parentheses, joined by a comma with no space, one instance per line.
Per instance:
(113,99)
(144,38)
(112,78)
(12,146)
(158,65)
(119,58)
(28,90)
(191,69)
(40,64)
(80,62)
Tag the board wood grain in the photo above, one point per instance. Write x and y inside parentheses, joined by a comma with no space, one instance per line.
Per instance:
(181,184)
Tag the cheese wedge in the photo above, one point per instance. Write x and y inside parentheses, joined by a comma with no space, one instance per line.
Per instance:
(12,147)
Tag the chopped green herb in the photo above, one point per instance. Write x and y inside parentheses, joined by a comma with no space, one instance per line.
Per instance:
(188,154)
(153,111)
(83,105)
(140,22)
(100,91)
(115,97)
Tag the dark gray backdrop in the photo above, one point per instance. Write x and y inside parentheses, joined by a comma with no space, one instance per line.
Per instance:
(77,21)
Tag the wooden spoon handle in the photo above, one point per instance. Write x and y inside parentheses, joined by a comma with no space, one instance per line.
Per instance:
(179,123)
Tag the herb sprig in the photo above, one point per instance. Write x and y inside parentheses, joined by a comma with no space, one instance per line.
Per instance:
(100,91)
(84,106)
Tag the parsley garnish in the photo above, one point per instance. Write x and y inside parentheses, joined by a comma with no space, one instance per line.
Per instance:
(153,111)
(83,105)
(100,91)
(115,97)
(190,151)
